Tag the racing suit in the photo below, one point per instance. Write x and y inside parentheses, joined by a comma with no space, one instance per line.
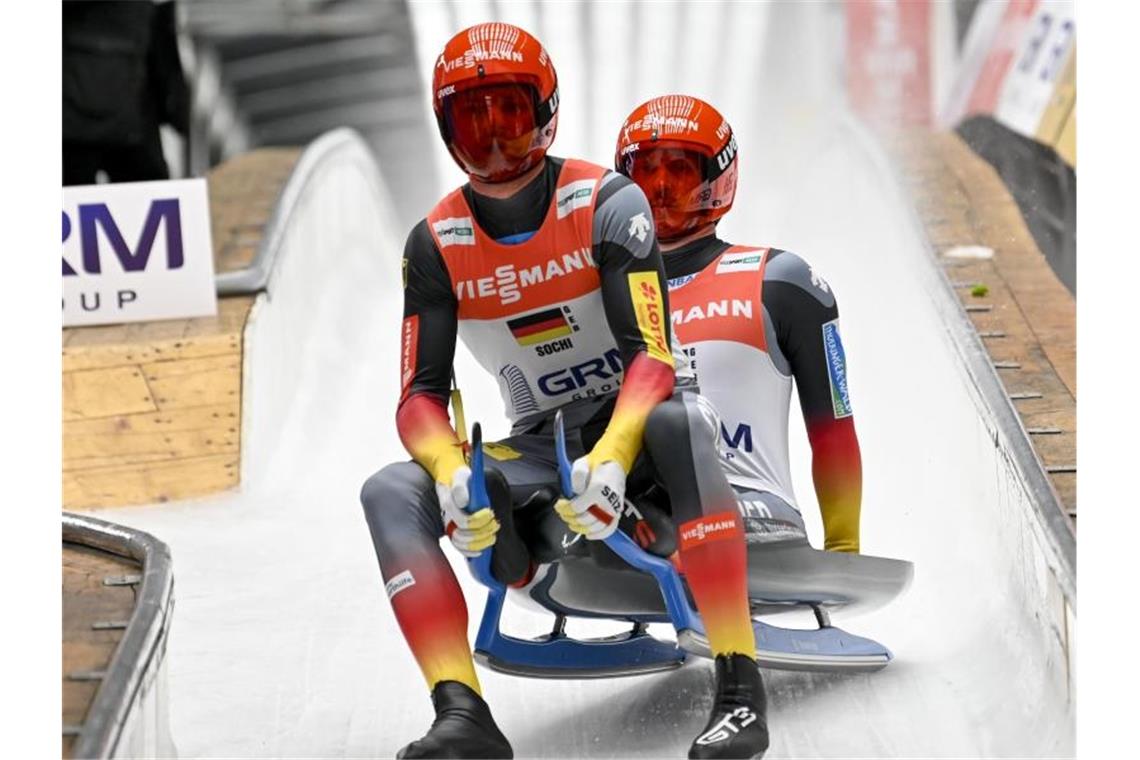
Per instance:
(558,292)
(752,320)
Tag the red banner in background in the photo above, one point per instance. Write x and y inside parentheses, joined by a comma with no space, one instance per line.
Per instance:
(888,61)
(1007,43)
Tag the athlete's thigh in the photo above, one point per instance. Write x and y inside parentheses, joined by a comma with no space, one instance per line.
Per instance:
(527,462)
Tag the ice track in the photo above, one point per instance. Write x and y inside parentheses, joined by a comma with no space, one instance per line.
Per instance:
(283,642)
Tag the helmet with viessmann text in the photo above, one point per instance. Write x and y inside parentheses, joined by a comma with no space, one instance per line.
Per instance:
(681,152)
(495,98)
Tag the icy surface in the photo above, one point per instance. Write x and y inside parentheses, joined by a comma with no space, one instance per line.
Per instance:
(284,644)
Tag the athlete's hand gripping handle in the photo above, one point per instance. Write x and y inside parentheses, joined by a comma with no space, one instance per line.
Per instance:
(672,589)
(466,507)
(596,507)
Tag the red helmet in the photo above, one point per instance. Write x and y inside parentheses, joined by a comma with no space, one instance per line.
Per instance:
(495,97)
(682,154)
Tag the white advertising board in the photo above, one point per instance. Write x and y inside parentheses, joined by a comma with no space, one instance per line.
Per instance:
(137,251)
(1031,80)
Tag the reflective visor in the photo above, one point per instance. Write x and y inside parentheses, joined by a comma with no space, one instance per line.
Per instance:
(672,176)
(492,127)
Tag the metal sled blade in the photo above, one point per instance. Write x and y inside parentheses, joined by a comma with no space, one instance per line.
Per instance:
(826,649)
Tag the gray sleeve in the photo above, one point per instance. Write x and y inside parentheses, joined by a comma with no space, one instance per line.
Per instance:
(622,217)
(625,244)
(805,318)
(787,267)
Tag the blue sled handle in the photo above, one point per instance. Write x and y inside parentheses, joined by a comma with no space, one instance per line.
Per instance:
(563,458)
(682,614)
(478,499)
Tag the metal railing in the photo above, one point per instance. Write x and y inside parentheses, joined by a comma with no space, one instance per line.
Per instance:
(139,653)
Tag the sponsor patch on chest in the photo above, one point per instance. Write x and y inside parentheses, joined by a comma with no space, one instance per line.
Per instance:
(455,231)
(740,262)
(574,195)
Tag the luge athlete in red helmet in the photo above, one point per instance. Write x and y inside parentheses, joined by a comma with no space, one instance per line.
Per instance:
(761,313)
(549,271)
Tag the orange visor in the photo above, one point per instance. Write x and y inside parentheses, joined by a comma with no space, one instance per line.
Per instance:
(492,128)
(672,176)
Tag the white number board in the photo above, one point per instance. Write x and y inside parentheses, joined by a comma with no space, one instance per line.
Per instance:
(137,251)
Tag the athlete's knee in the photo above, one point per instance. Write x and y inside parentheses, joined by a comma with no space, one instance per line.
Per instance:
(704,419)
(686,416)
(393,484)
(668,421)
(398,501)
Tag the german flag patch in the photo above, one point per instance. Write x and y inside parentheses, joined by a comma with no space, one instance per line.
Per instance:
(540,327)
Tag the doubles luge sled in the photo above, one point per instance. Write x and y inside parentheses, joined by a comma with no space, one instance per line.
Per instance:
(782,577)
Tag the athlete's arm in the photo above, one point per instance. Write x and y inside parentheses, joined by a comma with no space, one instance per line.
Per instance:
(805,317)
(427,348)
(635,301)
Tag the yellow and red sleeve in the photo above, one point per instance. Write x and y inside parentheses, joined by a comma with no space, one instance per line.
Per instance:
(837,471)
(649,376)
(647,383)
(426,432)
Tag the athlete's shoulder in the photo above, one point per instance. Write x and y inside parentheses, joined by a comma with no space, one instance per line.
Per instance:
(423,268)
(786,267)
(612,182)
(622,216)
(419,241)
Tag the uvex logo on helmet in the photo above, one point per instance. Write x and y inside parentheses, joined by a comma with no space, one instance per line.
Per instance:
(726,154)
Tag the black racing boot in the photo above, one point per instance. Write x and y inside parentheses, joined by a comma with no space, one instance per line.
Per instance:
(739,724)
(463,727)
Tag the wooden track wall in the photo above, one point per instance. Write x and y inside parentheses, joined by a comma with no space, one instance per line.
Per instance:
(1024,315)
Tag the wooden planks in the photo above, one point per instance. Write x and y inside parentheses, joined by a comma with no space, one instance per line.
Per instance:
(105,392)
(141,342)
(89,642)
(143,482)
(152,410)
(155,419)
(1025,316)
